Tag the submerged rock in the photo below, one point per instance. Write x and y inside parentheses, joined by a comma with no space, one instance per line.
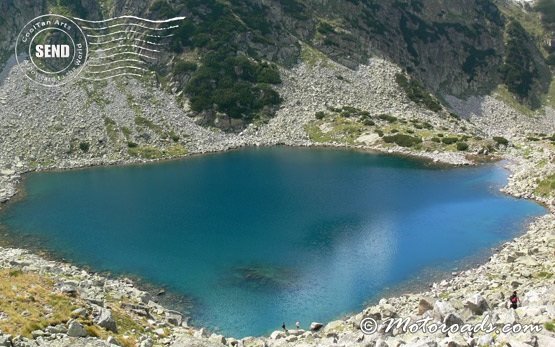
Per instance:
(264,277)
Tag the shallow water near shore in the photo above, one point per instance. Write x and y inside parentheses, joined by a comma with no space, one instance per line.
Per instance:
(257,237)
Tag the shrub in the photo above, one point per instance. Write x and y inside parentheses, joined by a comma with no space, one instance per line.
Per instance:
(519,69)
(368,122)
(449,140)
(501,141)
(379,132)
(388,118)
(436,139)
(131,144)
(403,140)
(183,66)
(462,146)
(416,92)
(320,115)
(84,146)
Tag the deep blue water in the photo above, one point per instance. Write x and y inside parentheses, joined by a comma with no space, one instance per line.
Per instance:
(261,236)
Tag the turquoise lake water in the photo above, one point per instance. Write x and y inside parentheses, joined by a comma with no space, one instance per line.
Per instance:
(261,236)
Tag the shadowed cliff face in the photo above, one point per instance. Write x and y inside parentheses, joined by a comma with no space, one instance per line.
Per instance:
(454,47)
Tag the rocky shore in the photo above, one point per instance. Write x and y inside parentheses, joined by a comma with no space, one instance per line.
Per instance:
(43,129)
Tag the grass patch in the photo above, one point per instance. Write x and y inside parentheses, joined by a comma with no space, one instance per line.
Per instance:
(503,94)
(30,303)
(151,152)
(111,129)
(550,326)
(340,130)
(544,274)
(312,56)
(546,186)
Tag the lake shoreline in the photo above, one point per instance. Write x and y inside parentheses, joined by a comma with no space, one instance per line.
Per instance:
(343,330)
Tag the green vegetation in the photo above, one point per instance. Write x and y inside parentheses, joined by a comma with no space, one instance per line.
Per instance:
(547,10)
(151,152)
(111,129)
(320,115)
(462,146)
(501,141)
(341,129)
(403,140)
(26,299)
(225,80)
(67,8)
(388,118)
(183,66)
(449,140)
(416,92)
(550,326)
(312,56)
(546,187)
(519,70)
(84,146)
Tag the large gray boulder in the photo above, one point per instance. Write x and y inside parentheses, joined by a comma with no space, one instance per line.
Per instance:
(477,304)
(76,329)
(106,321)
(5,341)
(174,317)
(442,309)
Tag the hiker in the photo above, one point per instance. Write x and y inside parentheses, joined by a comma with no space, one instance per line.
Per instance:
(283,327)
(298,325)
(514,300)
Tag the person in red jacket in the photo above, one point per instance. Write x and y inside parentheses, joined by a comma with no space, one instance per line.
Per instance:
(514,300)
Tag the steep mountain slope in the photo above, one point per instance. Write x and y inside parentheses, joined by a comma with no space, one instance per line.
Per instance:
(224,60)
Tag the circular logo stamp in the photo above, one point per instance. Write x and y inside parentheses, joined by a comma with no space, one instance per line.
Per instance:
(51,50)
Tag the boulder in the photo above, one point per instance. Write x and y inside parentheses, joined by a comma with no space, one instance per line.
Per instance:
(507,316)
(68,289)
(5,341)
(315,326)
(452,319)
(295,332)
(424,305)
(76,329)
(112,341)
(201,333)
(442,309)
(106,321)
(336,325)
(218,339)
(477,304)
(146,342)
(79,312)
(485,340)
(253,342)
(276,335)
(174,318)
(291,338)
